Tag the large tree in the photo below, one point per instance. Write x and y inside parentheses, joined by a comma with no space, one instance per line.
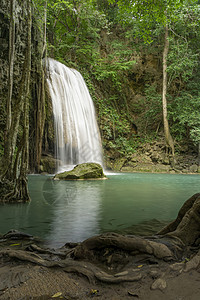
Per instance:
(16,145)
(15,162)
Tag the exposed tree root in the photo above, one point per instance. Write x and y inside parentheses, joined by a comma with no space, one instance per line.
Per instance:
(69,265)
(186,206)
(128,243)
(186,226)
(14,191)
(25,256)
(193,263)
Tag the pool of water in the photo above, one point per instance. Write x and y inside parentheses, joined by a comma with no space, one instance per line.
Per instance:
(63,211)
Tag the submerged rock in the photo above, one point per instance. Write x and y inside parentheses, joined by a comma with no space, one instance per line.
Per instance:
(82,171)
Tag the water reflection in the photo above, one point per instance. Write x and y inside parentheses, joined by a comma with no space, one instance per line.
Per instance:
(62,211)
(33,217)
(76,210)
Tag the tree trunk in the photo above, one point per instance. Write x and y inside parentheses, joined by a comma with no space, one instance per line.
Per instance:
(40,90)
(21,185)
(7,144)
(168,137)
(16,158)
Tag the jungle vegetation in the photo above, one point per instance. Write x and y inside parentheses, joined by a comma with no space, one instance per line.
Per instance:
(140,60)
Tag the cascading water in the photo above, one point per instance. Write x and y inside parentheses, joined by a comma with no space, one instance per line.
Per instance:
(76,129)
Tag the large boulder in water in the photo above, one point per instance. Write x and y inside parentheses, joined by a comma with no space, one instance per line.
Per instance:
(82,171)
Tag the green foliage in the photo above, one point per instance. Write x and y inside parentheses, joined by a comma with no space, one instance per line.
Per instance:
(183,71)
(182,61)
(146,14)
(75,37)
(152,108)
(115,129)
(185,112)
(184,39)
(73,30)
(113,70)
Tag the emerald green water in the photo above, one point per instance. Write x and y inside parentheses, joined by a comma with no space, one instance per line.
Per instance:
(63,211)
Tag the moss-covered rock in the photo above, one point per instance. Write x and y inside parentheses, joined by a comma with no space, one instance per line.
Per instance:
(82,171)
(48,164)
(119,163)
(193,168)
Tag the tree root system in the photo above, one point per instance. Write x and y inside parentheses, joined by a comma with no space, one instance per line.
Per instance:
(113,258)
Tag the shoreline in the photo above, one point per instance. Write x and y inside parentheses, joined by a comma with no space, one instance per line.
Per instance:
(27,277)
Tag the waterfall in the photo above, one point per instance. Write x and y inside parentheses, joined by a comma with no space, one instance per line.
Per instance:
(76,130)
